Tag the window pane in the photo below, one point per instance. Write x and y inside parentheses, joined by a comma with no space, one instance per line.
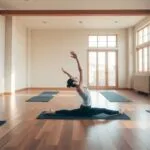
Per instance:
(140,59)
(145,38)
(112,38)
(112,69)
(140,37)
(140,40)
(102,44)
(92,38)
(140,33)
(92,68)
(145,31)
(149,33)
(92,44)
(145,34)
(145,59)
(111,44)
(102,38)
(101,69)
(149,59)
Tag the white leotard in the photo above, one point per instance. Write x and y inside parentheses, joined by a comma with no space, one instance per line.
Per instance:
(86,97)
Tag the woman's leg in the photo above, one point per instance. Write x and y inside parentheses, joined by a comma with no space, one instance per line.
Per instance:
(82,111)
(96,111)
(73,112)
(87,111)
(62,111)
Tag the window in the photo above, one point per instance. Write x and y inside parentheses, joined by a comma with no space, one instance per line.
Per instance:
(143,49)
(92,41)
(142,36)
(103,41)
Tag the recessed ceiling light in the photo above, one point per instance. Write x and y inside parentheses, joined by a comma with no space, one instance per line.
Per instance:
(44,22)
(80,22)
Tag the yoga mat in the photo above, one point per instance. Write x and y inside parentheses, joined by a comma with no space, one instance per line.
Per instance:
(148,111)
(2,122)
(99,116)
(49,93)
(114,97)
(43,97)
(40,98)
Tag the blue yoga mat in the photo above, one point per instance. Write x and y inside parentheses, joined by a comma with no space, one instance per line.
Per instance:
(40,98)
(43,97)
(114,97)
(2,122)
(49,93)
(99,116)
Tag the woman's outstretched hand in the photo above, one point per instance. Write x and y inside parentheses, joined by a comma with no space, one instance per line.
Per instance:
(63,70)
(73,54)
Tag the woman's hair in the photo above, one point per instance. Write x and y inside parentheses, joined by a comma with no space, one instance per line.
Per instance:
(70,83)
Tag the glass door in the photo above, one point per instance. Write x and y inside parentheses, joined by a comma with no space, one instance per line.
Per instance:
(102,82)
(102,69)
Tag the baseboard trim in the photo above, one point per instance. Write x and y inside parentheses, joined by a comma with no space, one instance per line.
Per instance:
(92,88)
(7,93)
(20,90)
(72,89)
(57,89)
(52,88)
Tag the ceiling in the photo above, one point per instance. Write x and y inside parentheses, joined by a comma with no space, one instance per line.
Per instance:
(74,4)
(79,22)
(76,22)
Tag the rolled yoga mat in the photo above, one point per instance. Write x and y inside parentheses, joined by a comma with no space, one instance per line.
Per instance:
(114,97)
(99,116)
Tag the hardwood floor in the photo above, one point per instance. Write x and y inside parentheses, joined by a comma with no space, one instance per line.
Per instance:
(24,132)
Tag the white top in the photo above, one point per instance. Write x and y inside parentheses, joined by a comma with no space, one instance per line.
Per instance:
(86,97)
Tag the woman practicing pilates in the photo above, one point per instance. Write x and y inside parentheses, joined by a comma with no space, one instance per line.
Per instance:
(85,108)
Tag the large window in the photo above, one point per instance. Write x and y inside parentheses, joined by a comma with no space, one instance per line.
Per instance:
(102,61)
(143,49)
(103,41)
(143,35)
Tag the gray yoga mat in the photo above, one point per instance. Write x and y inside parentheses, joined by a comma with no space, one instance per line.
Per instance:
(43,97)
(148,111)
(114,97)
(49,93)
(99,116)
(40,98)
(2,122)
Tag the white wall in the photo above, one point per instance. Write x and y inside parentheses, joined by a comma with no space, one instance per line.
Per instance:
(15,55)
(130,56)
(50,51)
(2,49)
(19,54)
(8,54)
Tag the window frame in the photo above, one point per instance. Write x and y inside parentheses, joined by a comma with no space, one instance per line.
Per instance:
(107,47)
(142,46)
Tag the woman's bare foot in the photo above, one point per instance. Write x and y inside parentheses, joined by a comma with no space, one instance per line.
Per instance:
(121,111)
(50,111)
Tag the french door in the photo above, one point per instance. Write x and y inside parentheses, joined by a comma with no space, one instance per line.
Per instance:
(102,69)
